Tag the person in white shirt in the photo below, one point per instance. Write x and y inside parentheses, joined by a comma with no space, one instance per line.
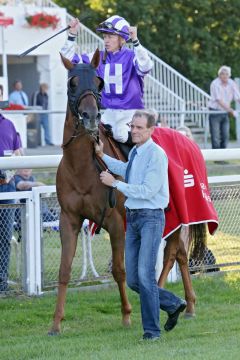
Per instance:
(223,91)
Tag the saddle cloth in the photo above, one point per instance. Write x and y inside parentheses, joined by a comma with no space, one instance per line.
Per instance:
(190,201)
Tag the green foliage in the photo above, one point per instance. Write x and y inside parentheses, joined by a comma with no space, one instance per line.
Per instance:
(194,37)
(92,327)
(232,131)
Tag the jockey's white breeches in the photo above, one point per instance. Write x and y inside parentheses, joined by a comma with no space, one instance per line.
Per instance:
(119,120)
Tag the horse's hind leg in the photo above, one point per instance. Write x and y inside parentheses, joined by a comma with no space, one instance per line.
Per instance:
(170,252)
(175,250)
(190,296)
(69,233)
(117,237)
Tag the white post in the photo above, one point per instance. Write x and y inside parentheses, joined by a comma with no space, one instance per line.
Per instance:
(89,248)
(84,254)
(4,62)
(30,248)
(37,236)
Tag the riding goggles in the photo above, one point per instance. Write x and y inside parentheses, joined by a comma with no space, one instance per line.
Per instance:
(109,26)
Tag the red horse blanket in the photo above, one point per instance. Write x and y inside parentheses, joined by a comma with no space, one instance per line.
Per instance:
(190,201)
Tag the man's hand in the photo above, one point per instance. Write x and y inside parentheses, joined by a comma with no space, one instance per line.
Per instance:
(133,32)
(106,178)
(235,113)
(99,148)
(74,26)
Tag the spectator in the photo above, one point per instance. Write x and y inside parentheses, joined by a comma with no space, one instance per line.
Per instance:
(20,144)
(147,195)
(25,181)
(9,145)
(185,130)
(223,91)
(40,98)
(18,96)
(122,69)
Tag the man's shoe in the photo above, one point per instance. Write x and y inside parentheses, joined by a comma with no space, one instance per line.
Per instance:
(149,337)
(173,318)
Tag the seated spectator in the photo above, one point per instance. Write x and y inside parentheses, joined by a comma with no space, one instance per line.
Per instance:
(185,131)
(25,181)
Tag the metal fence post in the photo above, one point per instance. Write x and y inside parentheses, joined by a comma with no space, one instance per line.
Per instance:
(238,113)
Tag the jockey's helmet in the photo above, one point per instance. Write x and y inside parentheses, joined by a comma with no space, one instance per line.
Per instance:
(115,25)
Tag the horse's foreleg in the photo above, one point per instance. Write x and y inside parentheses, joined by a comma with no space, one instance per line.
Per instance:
(119,276)
(117,237)
(170,252)
(69,234)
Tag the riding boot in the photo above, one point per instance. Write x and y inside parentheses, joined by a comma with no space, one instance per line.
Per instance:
(129,140)
(108,130)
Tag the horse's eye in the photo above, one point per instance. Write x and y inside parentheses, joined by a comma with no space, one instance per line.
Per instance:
(73,83)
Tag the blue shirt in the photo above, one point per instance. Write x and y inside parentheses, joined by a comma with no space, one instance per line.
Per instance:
(19,98)
(148,179)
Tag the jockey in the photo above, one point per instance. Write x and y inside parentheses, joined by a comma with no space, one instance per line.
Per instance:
(122,69)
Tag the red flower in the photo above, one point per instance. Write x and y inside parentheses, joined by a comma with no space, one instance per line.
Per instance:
(43,20)
(15,107)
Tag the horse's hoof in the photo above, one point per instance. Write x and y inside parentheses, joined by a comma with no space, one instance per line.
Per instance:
(126,322)
(188,315)
(53,332)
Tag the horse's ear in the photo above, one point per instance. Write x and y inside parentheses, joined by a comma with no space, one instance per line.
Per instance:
(67,63)
(96,59)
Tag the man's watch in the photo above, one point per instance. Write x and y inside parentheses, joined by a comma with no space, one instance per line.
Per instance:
(115,183)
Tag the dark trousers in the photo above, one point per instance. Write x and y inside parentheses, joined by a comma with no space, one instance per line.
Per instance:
(6,230)
(219,130)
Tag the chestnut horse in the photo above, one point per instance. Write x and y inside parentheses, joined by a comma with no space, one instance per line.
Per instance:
(81,194)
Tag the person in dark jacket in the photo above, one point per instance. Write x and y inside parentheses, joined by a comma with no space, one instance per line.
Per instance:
(40,98)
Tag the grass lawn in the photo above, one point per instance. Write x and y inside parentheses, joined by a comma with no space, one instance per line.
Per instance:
(92,327)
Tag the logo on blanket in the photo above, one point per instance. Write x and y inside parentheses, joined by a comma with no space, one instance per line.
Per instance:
(205,193)
(188,179)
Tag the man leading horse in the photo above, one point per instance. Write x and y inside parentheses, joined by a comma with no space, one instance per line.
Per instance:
(147,195)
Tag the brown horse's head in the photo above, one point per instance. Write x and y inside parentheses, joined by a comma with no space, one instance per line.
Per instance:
(84,92)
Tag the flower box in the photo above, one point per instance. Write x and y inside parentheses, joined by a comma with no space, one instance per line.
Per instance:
(42,20)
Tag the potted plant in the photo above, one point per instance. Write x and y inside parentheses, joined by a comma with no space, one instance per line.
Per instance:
(42,20)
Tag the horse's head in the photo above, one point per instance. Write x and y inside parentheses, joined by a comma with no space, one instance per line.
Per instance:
(84,92)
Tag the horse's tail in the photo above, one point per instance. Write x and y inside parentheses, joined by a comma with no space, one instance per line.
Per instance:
(198,238)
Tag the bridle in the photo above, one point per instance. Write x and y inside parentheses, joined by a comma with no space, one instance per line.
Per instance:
(85,86)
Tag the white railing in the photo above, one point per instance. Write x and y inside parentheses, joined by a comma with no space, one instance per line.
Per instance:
(52,161)
(38,3)
(33,281)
